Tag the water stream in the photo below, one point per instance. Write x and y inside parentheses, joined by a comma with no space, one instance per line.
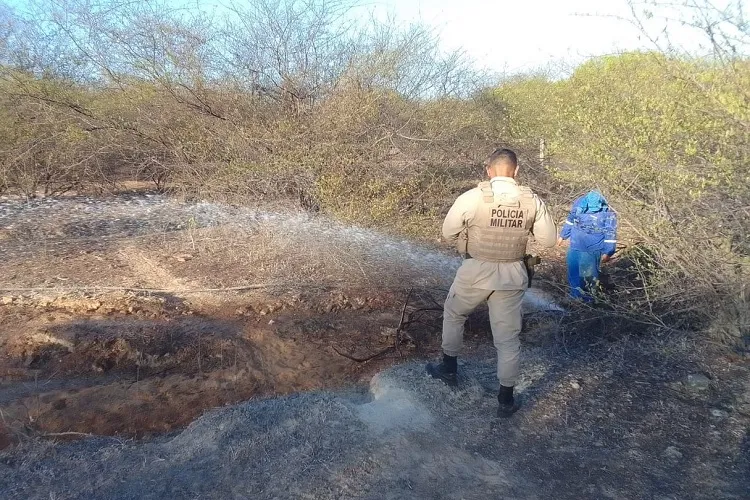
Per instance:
(62,223)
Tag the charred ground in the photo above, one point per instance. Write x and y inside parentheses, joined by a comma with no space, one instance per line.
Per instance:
(114,335)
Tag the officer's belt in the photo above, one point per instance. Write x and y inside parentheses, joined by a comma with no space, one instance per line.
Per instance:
(467,255)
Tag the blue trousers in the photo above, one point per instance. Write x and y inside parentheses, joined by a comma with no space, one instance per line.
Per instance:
(583,273)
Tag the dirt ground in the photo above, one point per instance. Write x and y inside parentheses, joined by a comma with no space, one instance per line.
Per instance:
(104,333)
(132,367)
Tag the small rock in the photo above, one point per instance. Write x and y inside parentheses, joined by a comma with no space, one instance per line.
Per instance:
(719,413)
(672,452)
(698,381)
(277,306)
(271,322)
(182,257)
(358,303)
(575,385)
(6,300)
(635,454)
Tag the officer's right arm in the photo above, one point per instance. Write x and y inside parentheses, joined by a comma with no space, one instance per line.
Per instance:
(455,221)
(544,230)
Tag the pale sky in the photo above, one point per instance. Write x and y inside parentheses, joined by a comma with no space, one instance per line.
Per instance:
(509,36)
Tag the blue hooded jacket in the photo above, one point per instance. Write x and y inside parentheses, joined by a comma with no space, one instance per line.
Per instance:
(591,225)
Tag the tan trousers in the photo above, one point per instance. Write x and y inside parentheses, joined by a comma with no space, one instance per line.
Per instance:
(505,321)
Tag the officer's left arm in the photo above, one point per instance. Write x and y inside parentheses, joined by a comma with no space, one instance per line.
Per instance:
(544,230)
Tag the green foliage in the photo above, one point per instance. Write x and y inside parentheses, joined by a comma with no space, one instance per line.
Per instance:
(667,140)
(638,115)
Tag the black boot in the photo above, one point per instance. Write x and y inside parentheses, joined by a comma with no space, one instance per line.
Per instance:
(445,371)
(508,405)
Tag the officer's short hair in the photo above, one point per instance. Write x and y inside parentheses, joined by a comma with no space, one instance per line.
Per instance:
(502,156)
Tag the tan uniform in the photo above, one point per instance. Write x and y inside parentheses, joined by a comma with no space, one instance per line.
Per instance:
(501,224)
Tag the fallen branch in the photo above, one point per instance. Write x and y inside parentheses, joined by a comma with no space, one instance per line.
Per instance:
(417,321)
(397,340)
(362,360)
(544,311)
(438,309)
(438,305)
(66,434)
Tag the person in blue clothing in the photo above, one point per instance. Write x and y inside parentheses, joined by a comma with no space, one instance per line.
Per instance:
(591,227)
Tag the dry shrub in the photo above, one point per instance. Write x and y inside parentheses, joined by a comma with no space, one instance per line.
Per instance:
(375,125)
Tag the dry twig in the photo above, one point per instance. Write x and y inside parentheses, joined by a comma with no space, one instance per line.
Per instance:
(362,360)
(396,341)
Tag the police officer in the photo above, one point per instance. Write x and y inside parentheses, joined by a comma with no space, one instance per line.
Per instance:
(591,227)
(495,221)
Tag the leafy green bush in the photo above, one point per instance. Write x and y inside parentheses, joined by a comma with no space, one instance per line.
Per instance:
(666,139)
